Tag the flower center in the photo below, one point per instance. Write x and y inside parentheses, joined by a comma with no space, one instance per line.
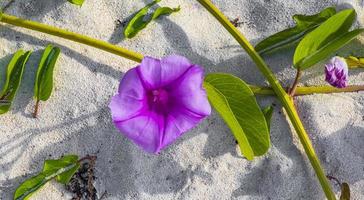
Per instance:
(158,100)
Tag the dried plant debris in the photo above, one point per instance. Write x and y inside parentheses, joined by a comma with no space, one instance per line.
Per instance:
(236,22)
(82,182)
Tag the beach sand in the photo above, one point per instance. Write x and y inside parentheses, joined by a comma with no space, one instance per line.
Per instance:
(204,163)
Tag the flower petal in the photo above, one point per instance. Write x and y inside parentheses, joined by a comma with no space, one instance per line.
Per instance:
(179,121)
(173,67)
(189,93)
(150,72)
(190,105)
(145,130)
(158,73)
(131,97)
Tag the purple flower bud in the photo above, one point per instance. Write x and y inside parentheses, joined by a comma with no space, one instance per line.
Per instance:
(159,100)
(337,72)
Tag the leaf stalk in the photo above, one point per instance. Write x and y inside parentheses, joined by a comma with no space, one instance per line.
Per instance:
(293,88)
(36,109)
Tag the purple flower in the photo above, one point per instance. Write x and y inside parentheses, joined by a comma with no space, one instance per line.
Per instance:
(159,100)
(337,72)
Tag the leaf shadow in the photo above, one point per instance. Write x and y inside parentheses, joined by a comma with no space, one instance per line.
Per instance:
(122,169)
(284,166)
(35,8)
(92,64)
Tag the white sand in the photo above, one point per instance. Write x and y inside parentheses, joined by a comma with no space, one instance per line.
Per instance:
(204,163)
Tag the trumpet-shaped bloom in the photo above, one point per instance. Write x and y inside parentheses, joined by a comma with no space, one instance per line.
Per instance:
(159,100)
(337,72)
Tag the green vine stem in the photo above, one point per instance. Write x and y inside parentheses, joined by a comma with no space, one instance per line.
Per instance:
(280,92)
(276,87)
(258,90)
(71,36)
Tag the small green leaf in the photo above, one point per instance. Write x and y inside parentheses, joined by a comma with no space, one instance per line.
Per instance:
(345,192)
(268,113)
(61,169)
(14,75)
(44,80)
(235,102)
(291,36)
(76,2)
(141,19)
(325,39)
(65,162)
(164,11)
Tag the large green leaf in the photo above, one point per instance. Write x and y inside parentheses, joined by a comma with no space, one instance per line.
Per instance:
(325,39)
(76,2)
(61,169)
(44,80)
(291,36)
(141,19)
(14,75)
(235,102)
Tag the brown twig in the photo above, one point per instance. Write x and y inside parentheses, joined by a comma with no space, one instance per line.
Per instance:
(293,88)
(87,157)
(334,179)
(36,108)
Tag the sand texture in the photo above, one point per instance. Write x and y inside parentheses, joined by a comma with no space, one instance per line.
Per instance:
(204,163)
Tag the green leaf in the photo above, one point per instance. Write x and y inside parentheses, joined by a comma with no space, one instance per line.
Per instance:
(235,102)
(291,36)
(164,11)
(61,169)
(268,113)
(14,75)
(326,39)
(345,192)
(141,18)
(76,2)
(309,20)
(44,80)
(65,162)
(325,51)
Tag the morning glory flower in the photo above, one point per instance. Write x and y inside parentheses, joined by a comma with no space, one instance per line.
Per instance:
(159,100)
(337,72)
